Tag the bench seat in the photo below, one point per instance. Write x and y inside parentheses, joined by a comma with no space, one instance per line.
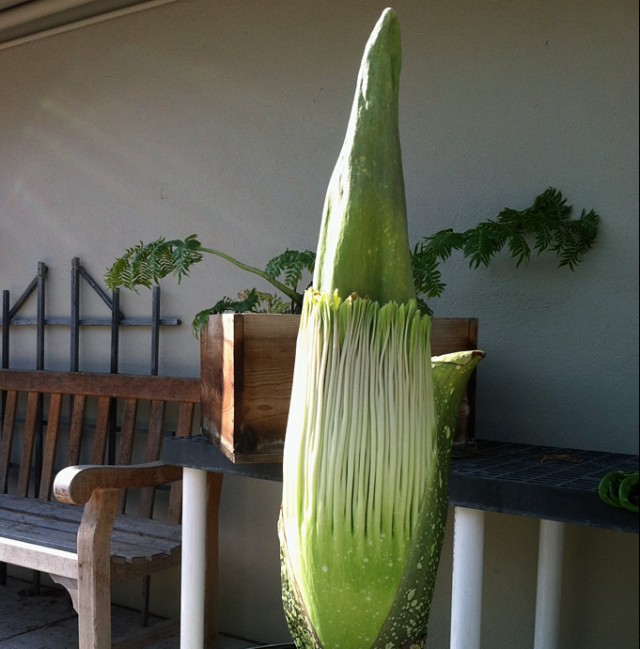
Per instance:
(134,541)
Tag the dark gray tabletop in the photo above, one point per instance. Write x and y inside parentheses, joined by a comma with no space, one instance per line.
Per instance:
(537,481)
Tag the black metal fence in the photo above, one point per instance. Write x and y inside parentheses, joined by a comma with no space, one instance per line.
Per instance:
(116,320)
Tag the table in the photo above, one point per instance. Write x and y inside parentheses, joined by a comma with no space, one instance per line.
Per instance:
(555,485)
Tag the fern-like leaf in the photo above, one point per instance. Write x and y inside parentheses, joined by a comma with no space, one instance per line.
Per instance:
(184,255)
(290,266)
(146,264)
(248,301)
(519,248)
(427,277)
(547,223)
(483,242)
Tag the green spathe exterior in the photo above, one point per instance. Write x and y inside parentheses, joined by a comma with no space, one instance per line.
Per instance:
(358,453)
(366,469)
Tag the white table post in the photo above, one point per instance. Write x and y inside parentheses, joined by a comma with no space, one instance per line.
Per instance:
(192,588)
(466,598)
(550,556)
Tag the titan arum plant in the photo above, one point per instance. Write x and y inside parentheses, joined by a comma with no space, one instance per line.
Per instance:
(366,457)
(372,415)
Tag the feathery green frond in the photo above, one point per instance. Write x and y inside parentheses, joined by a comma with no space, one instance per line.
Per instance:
(291,264)
(146,264)
(545,226)
(248,301)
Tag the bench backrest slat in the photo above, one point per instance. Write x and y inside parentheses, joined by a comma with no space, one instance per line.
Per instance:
(7,437)
(75,430)
(154,443)
(34,408)
(75,412)
(101,436)
(50,447)
(127,430)
(185,425)
(185,420)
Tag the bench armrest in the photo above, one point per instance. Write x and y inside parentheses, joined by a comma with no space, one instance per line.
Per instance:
(74,484)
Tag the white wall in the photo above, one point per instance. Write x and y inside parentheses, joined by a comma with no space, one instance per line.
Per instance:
(225,118)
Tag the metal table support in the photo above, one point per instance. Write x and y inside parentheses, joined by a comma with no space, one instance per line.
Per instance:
(554,485)
(194,554)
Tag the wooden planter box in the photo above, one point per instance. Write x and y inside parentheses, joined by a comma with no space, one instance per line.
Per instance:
(247,369)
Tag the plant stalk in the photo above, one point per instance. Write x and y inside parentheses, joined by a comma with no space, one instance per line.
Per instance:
(290,293)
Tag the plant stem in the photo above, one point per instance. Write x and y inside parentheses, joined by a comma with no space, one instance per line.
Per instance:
(290,293)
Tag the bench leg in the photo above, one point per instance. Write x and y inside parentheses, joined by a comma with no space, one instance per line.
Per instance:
(94,570)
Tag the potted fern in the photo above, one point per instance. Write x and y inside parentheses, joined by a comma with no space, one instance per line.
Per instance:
(547,225)
(252,345)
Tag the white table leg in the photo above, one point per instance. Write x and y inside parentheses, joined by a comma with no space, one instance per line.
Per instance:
(550,555)
(466,597)
(194,511)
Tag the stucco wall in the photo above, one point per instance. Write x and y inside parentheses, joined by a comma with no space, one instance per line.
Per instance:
(225,118)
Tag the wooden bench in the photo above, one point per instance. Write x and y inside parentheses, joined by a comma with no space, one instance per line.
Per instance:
(55,440)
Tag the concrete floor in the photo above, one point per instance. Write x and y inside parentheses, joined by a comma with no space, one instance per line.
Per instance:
(48,621)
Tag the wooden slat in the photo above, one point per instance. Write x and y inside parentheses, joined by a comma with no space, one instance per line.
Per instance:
(38,557)
(154,432)
(40,531)
(93,384)
(133,540)
(51,509)
(184,429)
(7,438)
(34,404)
(453,334)
(185,420)
(102,431)
(127,429)
(50,446)
(62,512)
(126,547)
(125,450)
(175,502)
(76,429)
(154,444)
